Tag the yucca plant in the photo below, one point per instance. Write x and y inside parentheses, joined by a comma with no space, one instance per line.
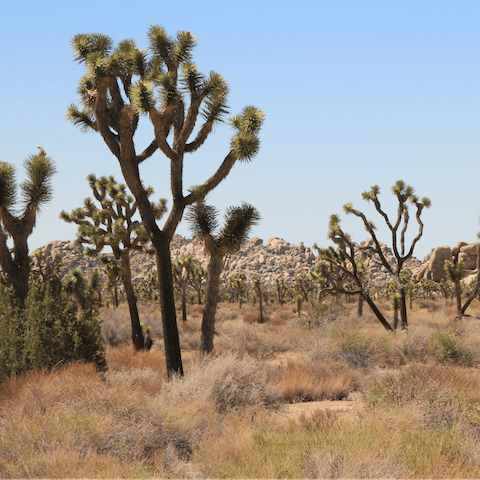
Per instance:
(404,194)
(203,220)
(123,83)
(36,191)
(111,224)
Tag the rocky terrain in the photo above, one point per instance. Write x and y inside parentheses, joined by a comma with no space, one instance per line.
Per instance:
(271,260)
(275,259)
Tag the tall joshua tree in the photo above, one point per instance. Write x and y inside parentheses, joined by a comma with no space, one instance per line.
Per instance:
(235,232)
(404,193)
(36,191)
(111,224)
(123,83)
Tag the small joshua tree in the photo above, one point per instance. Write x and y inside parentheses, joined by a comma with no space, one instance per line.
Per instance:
(342,270)
(404,193)
(454,270)
(257,286)
(198,275)
(235,232)
(36,191)
(111,224)
(182,273)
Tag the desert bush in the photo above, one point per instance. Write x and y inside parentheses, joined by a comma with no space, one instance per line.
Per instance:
(116,324)
(318,464)
(52,328)
(446,347)
(421,382)
(378,348)
(307,382)
(226,381)
(71,421)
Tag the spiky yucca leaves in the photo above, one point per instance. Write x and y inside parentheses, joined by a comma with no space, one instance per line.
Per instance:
(404,193)
(123,83)
(111,224)
(19,222)
(238,223)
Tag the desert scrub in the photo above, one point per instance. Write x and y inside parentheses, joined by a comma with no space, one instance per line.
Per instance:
(314,381)
(70,423)
(446,347)
(376,348)
(226,381)
(419,383)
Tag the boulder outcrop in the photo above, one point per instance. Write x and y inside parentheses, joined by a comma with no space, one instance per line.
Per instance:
(276,259)
(433,267)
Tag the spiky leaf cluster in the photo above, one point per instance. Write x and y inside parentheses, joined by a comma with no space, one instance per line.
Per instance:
(110,223)
(36,191)
(245,143)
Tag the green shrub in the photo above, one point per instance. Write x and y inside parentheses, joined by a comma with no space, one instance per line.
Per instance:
(445,347)
(51,330)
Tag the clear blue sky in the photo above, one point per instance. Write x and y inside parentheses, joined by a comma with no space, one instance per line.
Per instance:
(355,93)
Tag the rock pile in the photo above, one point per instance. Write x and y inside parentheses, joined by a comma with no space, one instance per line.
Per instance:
(433,267)
(276,259)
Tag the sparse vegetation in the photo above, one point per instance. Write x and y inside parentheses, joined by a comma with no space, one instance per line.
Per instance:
(230,415)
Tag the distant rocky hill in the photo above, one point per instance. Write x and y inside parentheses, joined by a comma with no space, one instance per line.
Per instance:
(274,259)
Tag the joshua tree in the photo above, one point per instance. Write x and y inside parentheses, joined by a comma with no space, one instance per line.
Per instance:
(454,270)
(182,273)
(395,304)
(238,223)
(404,194)
(122,84)
(238,286)
(111,224)
(257,286)
(36,192)
(198,275)
(114,273)
(281,290)
(341,270)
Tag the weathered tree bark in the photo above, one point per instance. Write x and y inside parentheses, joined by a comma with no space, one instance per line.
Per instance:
(184,299)
(211,299)
(137,332)
(163,259)
(360,306)
(260,301)
(376,311)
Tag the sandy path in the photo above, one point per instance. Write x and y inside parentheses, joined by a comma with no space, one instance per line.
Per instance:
(346,408)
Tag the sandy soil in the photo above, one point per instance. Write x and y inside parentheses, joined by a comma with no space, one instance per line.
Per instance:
(346,408)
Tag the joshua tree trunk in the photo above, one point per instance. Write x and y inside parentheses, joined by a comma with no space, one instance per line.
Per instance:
(173,354)
(17,269)
(360,306)
(376,311)
(260,301)
(184,299)
(211,298)
(458,296)
(137,332)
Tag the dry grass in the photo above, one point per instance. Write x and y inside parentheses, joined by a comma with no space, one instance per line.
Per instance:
(422,389)
(306,382)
